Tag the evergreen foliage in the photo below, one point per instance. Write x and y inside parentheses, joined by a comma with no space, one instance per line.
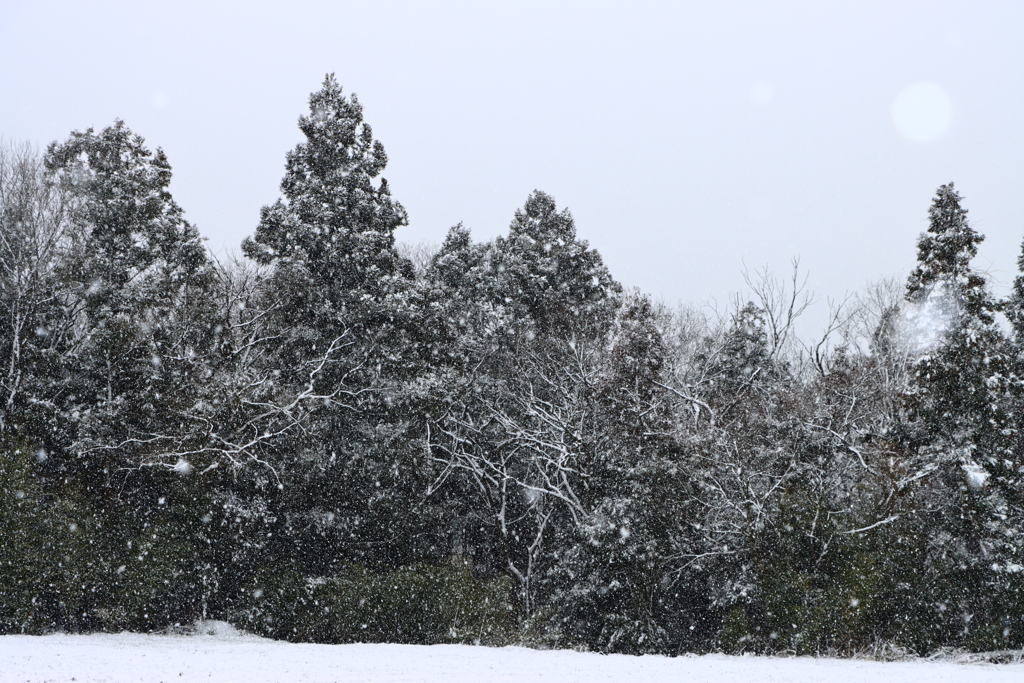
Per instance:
(415,604)
(324,443)
(961,426)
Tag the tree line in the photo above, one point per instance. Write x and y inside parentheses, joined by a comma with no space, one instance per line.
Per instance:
(335,439)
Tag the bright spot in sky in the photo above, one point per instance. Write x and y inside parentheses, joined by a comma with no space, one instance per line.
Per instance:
(762,93)
(922,112)
(159,100)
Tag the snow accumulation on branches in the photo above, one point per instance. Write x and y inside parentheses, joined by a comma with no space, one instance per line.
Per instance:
(337,439)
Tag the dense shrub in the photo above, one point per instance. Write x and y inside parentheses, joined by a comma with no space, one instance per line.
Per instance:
(416,604)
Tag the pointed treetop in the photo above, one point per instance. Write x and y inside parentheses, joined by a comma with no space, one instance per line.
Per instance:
(541,265)
(333,217)
(945,251)
(540,220)
(457,257)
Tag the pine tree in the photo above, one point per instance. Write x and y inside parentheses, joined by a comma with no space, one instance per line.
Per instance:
(962,376)
(544,271)
(333,219)
(137,234)
(961,426)
(140,302)
(1014,308)
(352,345)
(143,279)
(612,571)
(533,309)
(338,293)
(1015,304)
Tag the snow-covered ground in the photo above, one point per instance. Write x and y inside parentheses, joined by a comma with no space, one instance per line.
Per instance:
(225,655)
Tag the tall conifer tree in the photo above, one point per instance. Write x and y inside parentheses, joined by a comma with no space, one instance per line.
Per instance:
(962,375)
(140,282)
(961,427)
(349,347)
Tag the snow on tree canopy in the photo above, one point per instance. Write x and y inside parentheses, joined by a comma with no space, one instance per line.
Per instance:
(333,217)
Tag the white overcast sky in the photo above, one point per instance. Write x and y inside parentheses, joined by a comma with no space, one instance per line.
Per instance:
(687,138)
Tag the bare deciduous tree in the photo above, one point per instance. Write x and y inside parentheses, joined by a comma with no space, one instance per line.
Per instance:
(35,233)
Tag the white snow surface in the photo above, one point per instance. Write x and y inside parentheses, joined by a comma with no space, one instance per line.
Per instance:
(223,654)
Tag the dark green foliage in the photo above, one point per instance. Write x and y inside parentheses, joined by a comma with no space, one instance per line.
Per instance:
(961,426)
(34,536)
(545,273)
(517,434)
(415,604)
(142,278)
(68,564)
(122,351)
(349,350)
(961,378)
(327,445)
(1015,305)
(337,276)
(812,597)
(610,581)
(333,219)
(133,223)
(538,279)
(153,557)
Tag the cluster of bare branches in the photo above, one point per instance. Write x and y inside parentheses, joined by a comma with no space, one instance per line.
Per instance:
(525,444)
(36,233)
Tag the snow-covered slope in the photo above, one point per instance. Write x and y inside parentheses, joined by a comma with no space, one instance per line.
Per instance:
(229,656)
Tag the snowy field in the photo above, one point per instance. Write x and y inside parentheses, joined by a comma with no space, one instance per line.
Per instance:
(231,656)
